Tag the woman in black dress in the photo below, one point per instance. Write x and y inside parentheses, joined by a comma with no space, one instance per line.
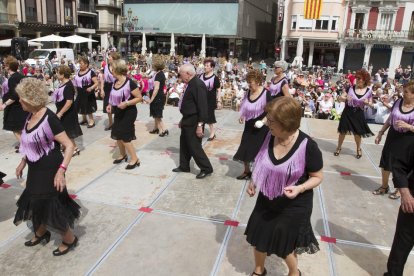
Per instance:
(287,169)
(352,118)
(212,83)
(64,97)
(85,82)
(106,85)
(399,137)
(157,97)
(252,112)
(280,85)
(45,200)
(122,103)
(14,116)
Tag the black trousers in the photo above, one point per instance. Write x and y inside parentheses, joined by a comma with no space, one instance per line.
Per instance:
(402,244)
(190,146)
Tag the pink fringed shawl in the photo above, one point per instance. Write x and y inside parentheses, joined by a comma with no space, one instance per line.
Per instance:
(250,110)
(38,142)
(271,179)
(397,115)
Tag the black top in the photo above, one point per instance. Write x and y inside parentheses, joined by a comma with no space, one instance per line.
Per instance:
(313,162)
(403,169)
(160,77)
(132,87)
(68,95)
(13,81)
(195,99)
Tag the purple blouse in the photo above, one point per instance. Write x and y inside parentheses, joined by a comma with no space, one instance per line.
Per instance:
(276,88)
(82,81)
(57,95)
(5,87)
(108,77)
(398,115)
(253,109)
(121,94)
(271,179)
(358,101)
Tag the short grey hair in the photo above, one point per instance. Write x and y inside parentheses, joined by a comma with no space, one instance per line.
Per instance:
(188,68)
(281,64)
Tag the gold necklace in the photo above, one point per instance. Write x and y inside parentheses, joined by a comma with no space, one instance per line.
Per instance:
(291,139)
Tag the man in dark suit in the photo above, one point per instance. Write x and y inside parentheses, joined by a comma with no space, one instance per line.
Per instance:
(193,107)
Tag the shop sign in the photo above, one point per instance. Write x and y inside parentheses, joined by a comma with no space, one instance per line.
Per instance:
(281,8)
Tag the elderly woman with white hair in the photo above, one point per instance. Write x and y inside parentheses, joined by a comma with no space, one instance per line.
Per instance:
(45,200)
(280,84)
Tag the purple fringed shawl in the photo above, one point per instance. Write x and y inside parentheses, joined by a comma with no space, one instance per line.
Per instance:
(209,82)
(151,82)
(397,115)
(120,95)
(108,77)
(276,88)
(271,179)
(83,81)
(5,87)
(38,142)
(358,102)
(250,110)
(57,95)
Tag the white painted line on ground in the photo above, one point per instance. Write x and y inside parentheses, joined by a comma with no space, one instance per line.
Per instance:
(15,236)
(371,160)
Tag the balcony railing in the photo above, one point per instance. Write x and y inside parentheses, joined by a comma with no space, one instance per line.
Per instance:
(109,28)
(109,3)
(7,18)
(86,7)
(373,36)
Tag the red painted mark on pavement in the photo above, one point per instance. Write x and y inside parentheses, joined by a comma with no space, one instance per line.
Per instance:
(223,158)
(345,173)
(145,209)
(5,186)
(328,239)
(166,152)
(112,146)
(73,196)
(231,223)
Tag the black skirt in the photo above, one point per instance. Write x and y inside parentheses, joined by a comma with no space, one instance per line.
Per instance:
(14,117)
(353,122)
(251,141)
(123,127)
(40,202)
(282,226)
(107,91)
(211,107)
(157,106)
(396,145)
(70,122)
(86,101)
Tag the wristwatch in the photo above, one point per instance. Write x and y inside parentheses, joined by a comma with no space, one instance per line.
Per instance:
(200,124)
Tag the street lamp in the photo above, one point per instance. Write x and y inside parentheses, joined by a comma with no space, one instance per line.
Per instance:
(130,22)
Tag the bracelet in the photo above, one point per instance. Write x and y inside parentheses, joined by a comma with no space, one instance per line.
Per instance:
(63,167)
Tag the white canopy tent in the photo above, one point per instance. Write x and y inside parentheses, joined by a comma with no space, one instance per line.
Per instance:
(7,43)
(172,48)
(75,39)
(203,46)
(48,38)
(144,44)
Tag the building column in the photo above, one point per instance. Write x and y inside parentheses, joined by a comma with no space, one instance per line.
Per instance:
(104,41)
(16,33)
(57,43)
(311,49)
(368,48)
(90,42)
(283,49)
(395,60)
(341,56)
(38,34)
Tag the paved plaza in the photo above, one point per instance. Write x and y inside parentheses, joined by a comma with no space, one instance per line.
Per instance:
(195,227)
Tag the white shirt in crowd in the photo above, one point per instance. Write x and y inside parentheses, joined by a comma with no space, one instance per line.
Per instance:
(339,107)
(325,106)
(229,66)
(382,113)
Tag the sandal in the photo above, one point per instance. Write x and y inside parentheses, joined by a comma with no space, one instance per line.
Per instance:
(338,150)
(381,191)
(395,195)
(359,153)
(257,274)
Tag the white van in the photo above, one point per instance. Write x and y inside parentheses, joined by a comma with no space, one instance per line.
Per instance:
(41,54)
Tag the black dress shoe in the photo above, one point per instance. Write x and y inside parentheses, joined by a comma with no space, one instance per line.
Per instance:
(108,128)
(45,237)
(57,252)
(211,138)
(178,169)
(155,131)
(245,176)
(117,161)
(130,167)
(165,133)
(91,126)
(203,174)
(83,123)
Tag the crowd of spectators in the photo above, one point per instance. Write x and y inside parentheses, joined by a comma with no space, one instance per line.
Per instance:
(316,90)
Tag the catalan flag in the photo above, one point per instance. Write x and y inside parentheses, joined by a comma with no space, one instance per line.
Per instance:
(313,9)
